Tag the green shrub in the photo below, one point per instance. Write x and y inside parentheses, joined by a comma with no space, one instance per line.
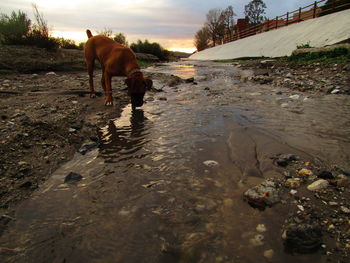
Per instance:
(337,54)
(14,28)
(38,39)
(67,43)
(150,48)
(307,45)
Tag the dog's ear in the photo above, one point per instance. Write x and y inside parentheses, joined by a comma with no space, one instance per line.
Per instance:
(149,83)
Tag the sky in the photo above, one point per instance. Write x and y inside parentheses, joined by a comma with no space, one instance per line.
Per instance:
(172,23)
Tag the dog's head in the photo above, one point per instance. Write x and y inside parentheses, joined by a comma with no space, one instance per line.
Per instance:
(137,86)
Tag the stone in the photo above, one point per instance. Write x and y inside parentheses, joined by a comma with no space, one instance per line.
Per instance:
(345,210)
(72,177)
(302,238)
(262,195)
(257,240)
(51,74)
(335,91)
(261,228)
(318,185)
(294,97)
(87,147)
(305,172)
(325,175)
(293,182)
(268,254)
(163,98)
(284,159)
(211,163)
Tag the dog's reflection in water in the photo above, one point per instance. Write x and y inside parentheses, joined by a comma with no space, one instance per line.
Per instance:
(124,140)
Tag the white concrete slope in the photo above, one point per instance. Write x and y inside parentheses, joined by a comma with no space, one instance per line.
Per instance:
(319,32)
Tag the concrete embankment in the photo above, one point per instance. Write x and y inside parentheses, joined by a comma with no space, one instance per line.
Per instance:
(319,32)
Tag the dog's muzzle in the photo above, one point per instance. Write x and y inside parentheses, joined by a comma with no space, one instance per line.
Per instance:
(137,100)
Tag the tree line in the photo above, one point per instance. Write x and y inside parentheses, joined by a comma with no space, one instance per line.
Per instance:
(18,29)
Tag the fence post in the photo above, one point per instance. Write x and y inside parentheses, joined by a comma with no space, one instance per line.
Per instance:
(268,24)
(287,18)
(315,6)
(276,22)
(299,14)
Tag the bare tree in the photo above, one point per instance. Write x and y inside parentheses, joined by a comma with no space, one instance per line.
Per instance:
(41,24)
(254,11)
(105,32)
(216,26)
(229,21)
(202,39)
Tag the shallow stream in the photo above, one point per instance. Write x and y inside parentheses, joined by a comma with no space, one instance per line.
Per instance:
(148,194)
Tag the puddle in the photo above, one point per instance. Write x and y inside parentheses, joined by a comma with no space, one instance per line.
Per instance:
(166,183)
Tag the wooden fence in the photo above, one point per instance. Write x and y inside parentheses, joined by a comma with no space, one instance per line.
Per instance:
(318,8)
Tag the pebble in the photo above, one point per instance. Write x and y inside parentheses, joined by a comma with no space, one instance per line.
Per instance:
(72,178)
(257,241)
(345,210)
(335,91)
(318,185)
(268,254)
(305,172)
(261,228)
(51,74)
(211,163)
(284,105)
(294,97)
(293,183)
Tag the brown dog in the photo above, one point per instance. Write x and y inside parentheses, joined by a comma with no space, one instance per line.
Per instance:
(115,60)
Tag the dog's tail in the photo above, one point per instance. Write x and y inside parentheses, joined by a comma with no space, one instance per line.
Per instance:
(88,32)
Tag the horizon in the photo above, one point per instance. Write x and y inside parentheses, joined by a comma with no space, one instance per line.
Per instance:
(170,23)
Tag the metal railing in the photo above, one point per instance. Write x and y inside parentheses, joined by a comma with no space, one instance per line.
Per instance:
(318,8)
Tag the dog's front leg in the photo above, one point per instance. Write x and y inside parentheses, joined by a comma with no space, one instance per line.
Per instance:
(108,89)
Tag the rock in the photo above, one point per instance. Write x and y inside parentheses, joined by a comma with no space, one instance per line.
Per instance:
(302,238)
(268,254)
(87,147)
(335,91)
(149,99)
(318,185)
(189,80)
(163,98)
(211,163)
(72,130)
(51,74)
(72,178)
(261,228)
(289,75)
(293,183)
(257,240)
(305,172)
(294,97)
(325,175)
(262,195)
(284,159)
(345,210)
(284,105)
(261,72)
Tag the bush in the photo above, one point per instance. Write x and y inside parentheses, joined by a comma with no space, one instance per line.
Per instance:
(36,38)
(14,28)
(67,43)
(150,48)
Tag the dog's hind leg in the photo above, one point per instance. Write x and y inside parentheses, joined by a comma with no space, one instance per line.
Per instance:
(90,66)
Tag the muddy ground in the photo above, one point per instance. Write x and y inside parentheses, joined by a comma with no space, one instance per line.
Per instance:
(43,124)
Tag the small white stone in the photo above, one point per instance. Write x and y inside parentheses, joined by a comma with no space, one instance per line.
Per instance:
(211,163)
(284,105)
(294,97)
(301,208)
(335,91)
